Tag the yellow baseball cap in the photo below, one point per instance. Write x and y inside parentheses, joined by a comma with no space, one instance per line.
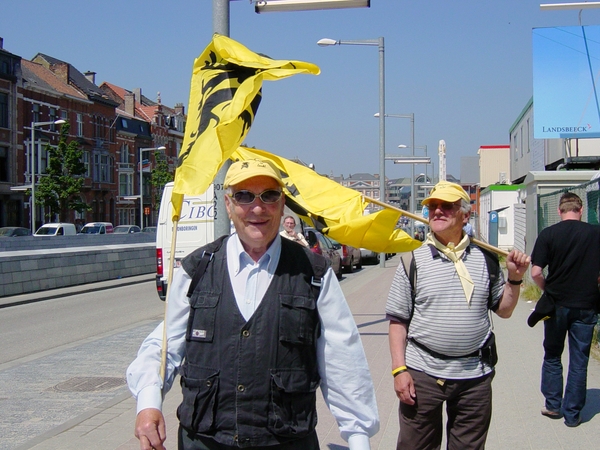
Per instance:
(243,170)
(447,192)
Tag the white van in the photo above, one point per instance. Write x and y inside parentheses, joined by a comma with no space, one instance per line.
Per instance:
(97,228)
(196,228)
(56,229)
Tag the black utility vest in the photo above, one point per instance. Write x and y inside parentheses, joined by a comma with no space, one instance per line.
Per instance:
(252,383)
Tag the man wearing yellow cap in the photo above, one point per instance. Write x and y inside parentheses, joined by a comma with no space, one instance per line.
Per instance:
(440,334)
(255,324)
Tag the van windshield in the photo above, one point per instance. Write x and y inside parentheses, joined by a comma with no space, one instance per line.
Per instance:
(46,230)
(90,230)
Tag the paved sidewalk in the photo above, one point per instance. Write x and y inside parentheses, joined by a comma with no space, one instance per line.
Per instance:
(516,424)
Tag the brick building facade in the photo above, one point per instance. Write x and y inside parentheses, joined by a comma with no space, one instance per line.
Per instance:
(109,123)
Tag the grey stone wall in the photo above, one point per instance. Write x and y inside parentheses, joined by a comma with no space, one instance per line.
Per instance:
(40,267)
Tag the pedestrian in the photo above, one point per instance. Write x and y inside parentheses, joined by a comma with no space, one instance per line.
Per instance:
(440,332)
(289,231)
(570,250)
(264,326)
(468,228)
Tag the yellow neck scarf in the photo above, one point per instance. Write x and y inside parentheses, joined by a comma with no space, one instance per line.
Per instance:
(454,253)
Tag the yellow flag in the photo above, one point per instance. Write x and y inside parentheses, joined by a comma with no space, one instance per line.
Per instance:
(337,210)
(376,231)
(326,201)
(224,97)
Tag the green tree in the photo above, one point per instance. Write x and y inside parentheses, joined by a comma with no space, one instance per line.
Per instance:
(160,176)
(59,189)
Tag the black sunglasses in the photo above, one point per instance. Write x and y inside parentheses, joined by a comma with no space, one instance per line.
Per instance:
(246,197)
(444,206)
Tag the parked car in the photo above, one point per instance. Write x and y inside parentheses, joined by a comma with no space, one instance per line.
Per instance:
(149,230)
(97,228)
(369,256)
(56,229)
(14,232)
(322,245)
(350,256)
(126,229)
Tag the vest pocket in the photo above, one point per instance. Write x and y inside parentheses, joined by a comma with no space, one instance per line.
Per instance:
(197,411)
(298,319)
(203,313)
(292,406)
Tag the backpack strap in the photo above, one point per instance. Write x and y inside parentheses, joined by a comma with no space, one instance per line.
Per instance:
(493,267)
(202,263)
(319,266)
(410,269)
(200,270)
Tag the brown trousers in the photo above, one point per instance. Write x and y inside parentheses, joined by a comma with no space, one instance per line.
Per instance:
(468,407)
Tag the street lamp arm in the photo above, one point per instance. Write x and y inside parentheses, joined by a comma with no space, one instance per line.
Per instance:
(326,42)
(52,122)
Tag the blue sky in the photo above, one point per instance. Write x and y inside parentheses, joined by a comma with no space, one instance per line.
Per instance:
(464,68)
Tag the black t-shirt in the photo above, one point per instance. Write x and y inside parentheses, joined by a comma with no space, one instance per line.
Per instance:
(571,250)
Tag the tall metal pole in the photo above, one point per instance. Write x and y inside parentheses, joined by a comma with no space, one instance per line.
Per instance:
(412,174)
(221,26)
(382,182)
(32,170)
(141,169)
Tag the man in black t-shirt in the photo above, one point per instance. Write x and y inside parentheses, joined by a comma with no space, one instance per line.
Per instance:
(571,251)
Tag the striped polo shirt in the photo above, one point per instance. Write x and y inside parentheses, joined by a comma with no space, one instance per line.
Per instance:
(443,321)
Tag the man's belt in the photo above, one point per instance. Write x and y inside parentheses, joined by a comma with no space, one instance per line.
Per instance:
(441,355)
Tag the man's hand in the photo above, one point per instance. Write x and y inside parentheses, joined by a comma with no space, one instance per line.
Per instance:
(405,388)
(150,429)
(517,264)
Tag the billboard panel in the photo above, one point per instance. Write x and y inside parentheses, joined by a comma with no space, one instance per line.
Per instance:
(566,66)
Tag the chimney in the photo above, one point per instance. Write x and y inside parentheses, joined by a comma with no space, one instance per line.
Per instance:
(138,95)
(1,43)
(61,70)
(179,108)
(91,76)
(130,103)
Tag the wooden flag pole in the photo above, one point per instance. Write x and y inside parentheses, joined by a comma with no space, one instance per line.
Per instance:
(164,349)
(422,219)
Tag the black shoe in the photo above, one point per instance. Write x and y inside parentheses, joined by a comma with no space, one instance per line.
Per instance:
(552,414)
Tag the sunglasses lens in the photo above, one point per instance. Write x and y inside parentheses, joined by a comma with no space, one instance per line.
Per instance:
(444,206)
(244,197)
(270,196)
(247,197)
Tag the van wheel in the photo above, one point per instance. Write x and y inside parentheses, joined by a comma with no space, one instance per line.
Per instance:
(359,263)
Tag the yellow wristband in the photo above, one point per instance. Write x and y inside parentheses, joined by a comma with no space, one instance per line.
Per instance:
(399,370)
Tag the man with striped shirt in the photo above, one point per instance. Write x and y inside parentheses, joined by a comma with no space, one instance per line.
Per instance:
(440,333)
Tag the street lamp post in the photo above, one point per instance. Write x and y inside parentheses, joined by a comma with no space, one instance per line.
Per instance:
(142,150)
(410,116)
(32,170)
(380,44)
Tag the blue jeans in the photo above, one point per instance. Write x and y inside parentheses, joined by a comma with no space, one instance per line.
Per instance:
(579,323)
